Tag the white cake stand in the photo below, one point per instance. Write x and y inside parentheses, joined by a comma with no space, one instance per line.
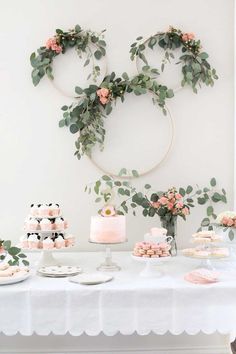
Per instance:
(150,269)
(108,265)
(205,262)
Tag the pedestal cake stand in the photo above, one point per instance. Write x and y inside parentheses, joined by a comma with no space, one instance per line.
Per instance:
(108,265)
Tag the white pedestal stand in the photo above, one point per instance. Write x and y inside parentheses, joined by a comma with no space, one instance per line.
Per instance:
(150,270)
(108,265)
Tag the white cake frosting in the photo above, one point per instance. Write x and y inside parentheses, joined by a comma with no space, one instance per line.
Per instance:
(33,238)
(108,229)
(48,240)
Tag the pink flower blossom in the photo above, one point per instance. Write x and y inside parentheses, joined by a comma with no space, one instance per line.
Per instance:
(52,44)
(108,211)
(188,37)
(103,100)
(103,92)
(178,196)
(224,220)
(170,205)
(185,211)
(179,205)
(230,222)
(163,200)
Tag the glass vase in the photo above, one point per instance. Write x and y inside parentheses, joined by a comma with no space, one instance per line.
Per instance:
(170,224)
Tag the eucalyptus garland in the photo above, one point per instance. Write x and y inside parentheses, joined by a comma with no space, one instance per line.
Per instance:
(86,116)
(83,41)
(196,69)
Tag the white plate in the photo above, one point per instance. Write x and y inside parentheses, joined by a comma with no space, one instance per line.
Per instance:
(91,279)
(14,279)
(59,271)
(152,260)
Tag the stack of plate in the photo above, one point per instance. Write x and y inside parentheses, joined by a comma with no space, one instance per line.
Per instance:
(59,271)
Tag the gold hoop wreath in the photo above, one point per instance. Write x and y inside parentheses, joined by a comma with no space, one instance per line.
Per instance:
(86,116)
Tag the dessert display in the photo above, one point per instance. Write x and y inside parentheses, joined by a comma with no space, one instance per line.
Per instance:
(108,229)
(206,237)
(151,250)
(202,276)
(45,229)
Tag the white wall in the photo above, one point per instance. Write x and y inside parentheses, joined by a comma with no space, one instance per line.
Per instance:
(37,162)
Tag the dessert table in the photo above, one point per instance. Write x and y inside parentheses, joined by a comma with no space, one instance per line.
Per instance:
(127,304)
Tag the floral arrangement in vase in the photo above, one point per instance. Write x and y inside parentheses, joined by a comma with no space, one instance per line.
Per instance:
(16,256)
(168,205)
(227,220)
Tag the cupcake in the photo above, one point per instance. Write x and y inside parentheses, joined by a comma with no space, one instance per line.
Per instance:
(69,240)
(33,241)
(44,210)
(59,242)
(24,241)
(59,224)
(45,225)
(34,209)
(32,225)
(54,209)
(48,243)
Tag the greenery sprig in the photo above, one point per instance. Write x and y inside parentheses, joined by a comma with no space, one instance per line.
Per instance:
(196,69)
(84,41)
(110,190)
(15,252)
(86,116)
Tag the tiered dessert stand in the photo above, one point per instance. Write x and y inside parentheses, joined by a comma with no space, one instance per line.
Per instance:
(206,261)
(46,257)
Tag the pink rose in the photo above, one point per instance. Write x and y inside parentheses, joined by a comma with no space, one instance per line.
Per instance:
(170,205)
(179,205)
(178,196)
(188,37)
(104,92)
(171,195)
(191,36)
(185,211)
(56,48)
(163,200)
(50,42)
(230,222)
(185,37)
(224,220)
(103,100)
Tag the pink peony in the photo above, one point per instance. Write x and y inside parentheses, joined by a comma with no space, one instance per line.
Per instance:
(178,196)
(104,92)
(103,100)
(163,200)
(191,36)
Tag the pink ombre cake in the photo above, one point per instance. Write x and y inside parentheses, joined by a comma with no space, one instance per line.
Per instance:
(110,229)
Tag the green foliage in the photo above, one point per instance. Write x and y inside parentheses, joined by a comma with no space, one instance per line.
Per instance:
(196,70)
(87,115)
(83,41)
(15,252)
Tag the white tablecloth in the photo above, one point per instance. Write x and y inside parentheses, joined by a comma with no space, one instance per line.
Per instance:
(127,304)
